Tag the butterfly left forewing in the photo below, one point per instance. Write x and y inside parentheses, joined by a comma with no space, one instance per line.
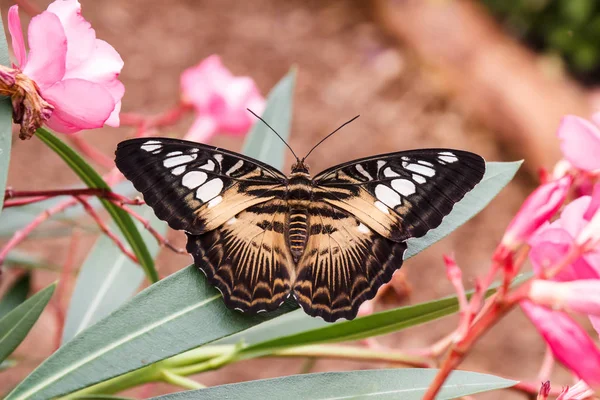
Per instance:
(401,195)
(344,264)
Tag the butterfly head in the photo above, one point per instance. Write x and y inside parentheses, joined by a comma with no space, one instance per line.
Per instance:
(300,166)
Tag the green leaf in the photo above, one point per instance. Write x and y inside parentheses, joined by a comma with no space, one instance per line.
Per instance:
(405,384)
(91,178)
(107,279)
(497,175)
(15,325)
(5,123)
(263,144)
(6,364)
(15,295)
(100,397)
(176,314)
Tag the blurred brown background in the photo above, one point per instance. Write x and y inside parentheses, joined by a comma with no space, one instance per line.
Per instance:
(420,73)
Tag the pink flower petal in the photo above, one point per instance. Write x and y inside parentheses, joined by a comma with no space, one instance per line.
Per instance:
(103,65)
(16,33)
(569,342)
(572,216)
(79,104)
(537,209)
(80,35)
(580,142)
(47,50)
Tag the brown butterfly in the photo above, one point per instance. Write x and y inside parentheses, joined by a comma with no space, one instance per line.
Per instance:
(330,241)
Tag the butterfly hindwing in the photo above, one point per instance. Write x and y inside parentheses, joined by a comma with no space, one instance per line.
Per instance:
(401,195)
(195,187)
(344,263)
(247,258)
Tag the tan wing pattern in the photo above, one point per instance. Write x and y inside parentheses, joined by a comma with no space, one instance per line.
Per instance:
(196,187)
(247,258)
(344,263)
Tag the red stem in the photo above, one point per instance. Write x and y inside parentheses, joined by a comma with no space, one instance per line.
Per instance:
(104,228)
(66,275)
(44,194)
(159,238)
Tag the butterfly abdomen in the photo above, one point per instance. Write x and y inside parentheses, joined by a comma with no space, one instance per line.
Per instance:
(299,195)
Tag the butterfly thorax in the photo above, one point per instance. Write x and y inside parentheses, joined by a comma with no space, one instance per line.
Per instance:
(299,193)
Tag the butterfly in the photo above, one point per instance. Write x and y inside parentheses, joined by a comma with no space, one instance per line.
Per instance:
(331,241)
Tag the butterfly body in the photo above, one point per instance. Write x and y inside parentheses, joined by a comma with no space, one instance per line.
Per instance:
(330,240)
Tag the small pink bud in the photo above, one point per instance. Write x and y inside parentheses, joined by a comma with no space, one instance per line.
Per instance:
(581,296)
(537,209)
(544,391)
(589,236)
(30,110)
(569,342)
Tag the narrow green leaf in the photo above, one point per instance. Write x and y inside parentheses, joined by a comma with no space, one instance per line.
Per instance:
(100,397)
(381,384)
(107,279)
(497,175)
(15,295)
(176,314)
(91,178)
(263,144)
(15,325)
(5,123)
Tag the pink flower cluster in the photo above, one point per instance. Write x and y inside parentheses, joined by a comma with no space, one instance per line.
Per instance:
(565,253)
(75,72)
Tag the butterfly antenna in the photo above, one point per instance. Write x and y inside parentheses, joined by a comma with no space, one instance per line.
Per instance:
(274,131)
(326,137)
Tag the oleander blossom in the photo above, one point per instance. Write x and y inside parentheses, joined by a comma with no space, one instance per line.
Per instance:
(220,100)
(75,72)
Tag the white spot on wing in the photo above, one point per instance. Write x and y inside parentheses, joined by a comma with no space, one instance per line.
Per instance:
(194,150)
(421,169)
(389,173)
(404,187)
(175,161)
(151,147)
(215,201)
(152,142)
(219,158)
(193,179)
(380,163)
(209,190)
(238,309)
(209,166)
(259,311)
(231,221)
(419,179)
(362,228)
(234,168)
(178,170)
(423,162)
(382,207)
(448,157)
(387,196)
(363,172)
(174,153)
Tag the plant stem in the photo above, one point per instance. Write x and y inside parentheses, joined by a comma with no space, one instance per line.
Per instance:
(43,194)
(354,353)
(181,381)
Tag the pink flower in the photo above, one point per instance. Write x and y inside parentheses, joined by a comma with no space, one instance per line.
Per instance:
(219,99)
(580,142)
(75,72)
(581,296)
(569,342)
(537,209)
